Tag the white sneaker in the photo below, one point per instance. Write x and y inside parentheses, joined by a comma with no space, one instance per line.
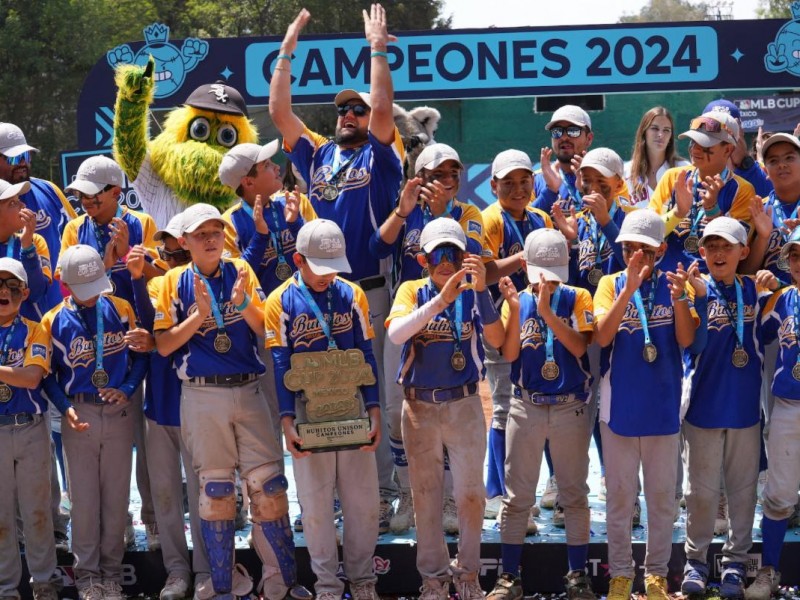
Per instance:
(328,596)
(113,591)
(151,531)
(94,591)
(364,591)
(548,499)
(175,588)
(450,516)
(532,528)
(403,517)
(433,589)
(721,522)
(468,588)
(765,584)
(492,507)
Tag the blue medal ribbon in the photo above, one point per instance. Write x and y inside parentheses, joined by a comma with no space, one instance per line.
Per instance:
(325,323)
(456,320)
(512,223)
(215,304)
(99,338)
(337,168)
(548,333)
(11,244)
(777,214)
(597,235)
(427,215)
(98,232)
(696,213)
(274,229)
(4,351)
(739,318)
(640,307)
(575,197)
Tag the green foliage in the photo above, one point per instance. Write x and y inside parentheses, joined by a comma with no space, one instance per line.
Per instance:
(668,10)
(774,9)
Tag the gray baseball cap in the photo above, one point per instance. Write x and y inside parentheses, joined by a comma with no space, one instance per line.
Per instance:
(440,232)
(571,114)
(197,214)
(793,240)
(642,226)
(777,138)
(13,266)
(346,95)
(702,129)
(322,244)
(727,228)
(510,160)
(82,269)
(173,228)
(12,141)
(9,190)
(96,173)
(434,155)
(547,254)
(238,161)
(604,160)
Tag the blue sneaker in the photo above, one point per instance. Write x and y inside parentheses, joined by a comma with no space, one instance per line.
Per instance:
(695,576)
(733,581)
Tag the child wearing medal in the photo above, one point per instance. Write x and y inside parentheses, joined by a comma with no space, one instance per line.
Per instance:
(643,317)
(721,428)
(81,342)
(548,327)
(781,320)
(440,321)
(208,317)
(314,311)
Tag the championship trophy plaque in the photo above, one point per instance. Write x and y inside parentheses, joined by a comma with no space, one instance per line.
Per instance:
(329,381)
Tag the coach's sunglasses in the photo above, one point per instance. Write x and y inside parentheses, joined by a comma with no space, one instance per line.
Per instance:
(19,158)
(359,110)
(572,131)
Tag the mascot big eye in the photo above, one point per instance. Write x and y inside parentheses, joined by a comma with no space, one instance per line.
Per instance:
(179,166)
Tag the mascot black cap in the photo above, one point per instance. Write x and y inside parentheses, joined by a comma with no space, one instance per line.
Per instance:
(218,97)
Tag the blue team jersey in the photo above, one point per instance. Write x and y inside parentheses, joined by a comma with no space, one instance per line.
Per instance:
(544,197)
(721,395)
(53,212)
(780,212)
(639,398)
(22,400)
(779,322)
(198,358)
(575,309)
(590,236)
(369,182)
(425,358)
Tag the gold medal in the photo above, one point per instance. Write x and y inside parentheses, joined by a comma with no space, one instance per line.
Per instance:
(283,271)
(650,353)
(796,371)
(330,192)
(5,393)
(594,277)
(100,378)
(691,244)
(222,343)
(783,263)
(740,358)
(458,361)
(550,370)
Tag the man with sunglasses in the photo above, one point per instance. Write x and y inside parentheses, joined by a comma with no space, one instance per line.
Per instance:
(353,179)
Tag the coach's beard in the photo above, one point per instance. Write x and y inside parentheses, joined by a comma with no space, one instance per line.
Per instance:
(350,137)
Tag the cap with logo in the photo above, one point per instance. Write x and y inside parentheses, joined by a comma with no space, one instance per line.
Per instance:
(441,232)
(322,244)
(82,269)
(777,138)
(434,155)
(345,96)
(727,228)
(604,160)
(642,226)
(710,134)
(793,240)
(12,141)
(173,228)
(547,254)
(9,190)
(510,160)
(197,214)
(13,266)
(238,161)
(219,98)
(94,174)
(725,106)
(571,114)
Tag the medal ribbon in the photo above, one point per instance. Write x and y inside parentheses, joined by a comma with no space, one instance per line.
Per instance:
(215,304)
(11,245)
(548,333)
(640,308)
(273,229)
(99,232)
(574,195)
(427,215)
(4,351)
(338,168)
(739,319)
(99,338)
(598,237)
(455,321)
(777,214)
(512,223)
(796,311)
(696,213)
(326,324)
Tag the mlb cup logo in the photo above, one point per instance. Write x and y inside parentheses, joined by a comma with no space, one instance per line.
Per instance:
(88,270)
(330,245)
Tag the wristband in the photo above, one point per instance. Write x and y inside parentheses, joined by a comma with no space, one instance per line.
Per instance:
(682,297)
(285,56)
(714,211)
(377,54)
(486,308)
(29,250)
(398,215)
(245,303)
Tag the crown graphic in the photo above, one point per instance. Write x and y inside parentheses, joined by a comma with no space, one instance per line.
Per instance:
(795,8)
(156,33)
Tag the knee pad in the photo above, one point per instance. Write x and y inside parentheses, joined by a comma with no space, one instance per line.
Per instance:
(268,498)
(217,496)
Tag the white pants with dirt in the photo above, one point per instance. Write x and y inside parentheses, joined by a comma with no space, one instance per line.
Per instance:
(147,512)
(569,427)
(658,456)
(25,473)
(708,452)
(783,451)
(460,427)
(498,375)
(394,409)
(99,476)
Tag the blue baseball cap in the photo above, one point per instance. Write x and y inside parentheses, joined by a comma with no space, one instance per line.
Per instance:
(725,106)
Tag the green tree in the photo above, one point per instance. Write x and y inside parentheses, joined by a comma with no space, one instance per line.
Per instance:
(774,9)
(665,11)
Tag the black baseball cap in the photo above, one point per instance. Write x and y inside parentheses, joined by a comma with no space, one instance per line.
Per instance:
(218,97)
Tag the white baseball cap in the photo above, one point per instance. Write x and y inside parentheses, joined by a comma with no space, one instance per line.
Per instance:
(13,266)
(197,214)
(571,114)
(9,190)
(82,269)
(440,232)
(727,228)
(434,155)
(346,95)
(711,128)
(322,244)
(95,174)
(173,228)
(642,226)
(604,160)
(793,240)
(12,141)
(510,160)
(238,161)
(776,138)
(547,253)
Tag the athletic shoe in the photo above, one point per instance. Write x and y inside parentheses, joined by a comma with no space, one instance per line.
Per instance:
(532,528)
(468,588)
(721,522)
(695,576)
(337,509)
(298,523)
(578,586)
(328,596)
(558,516)
(450,516)
(175,588)
(385,512)
(656,587)
(151,531)
(242,582)
(403,517)
(507,587)
(129,536)
(548,499)
(678,500)
(762,482)
(619,588)
(637,513)
(492,507)
(62,541)
(364,591)
(765,584)
(601,495)
(732,581)
(113,591)
(94,591)
(432,589)
(45,591)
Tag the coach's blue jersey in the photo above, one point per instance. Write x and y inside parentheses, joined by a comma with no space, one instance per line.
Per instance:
(53,212)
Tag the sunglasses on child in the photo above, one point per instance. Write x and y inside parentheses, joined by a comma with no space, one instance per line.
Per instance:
(451,254)
(175,255)
(710,125)
(19,158)
(572,131)
(359,110)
